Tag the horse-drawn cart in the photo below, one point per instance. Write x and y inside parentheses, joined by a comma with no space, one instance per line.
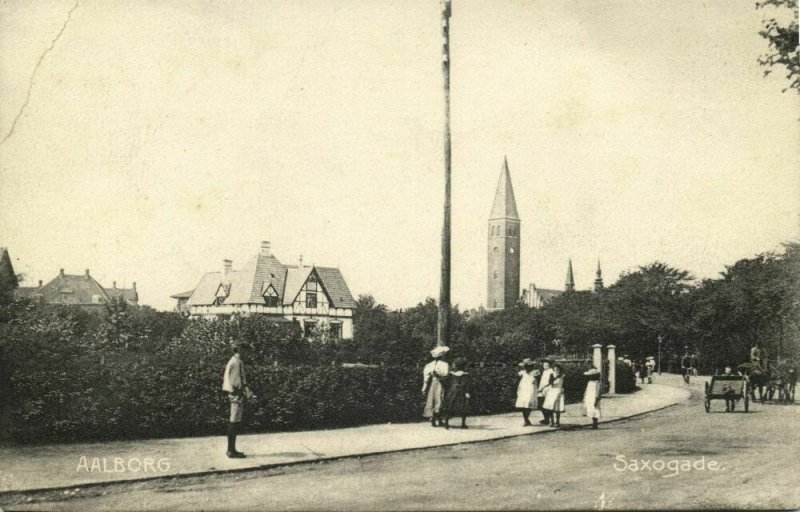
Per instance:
(729,388)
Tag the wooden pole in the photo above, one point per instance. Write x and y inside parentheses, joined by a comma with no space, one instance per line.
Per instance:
(443,324)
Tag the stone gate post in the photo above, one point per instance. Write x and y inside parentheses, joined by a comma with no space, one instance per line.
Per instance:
(612,369)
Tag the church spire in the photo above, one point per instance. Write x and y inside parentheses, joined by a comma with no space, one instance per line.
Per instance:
(570,286)
(505,206)
(598,282)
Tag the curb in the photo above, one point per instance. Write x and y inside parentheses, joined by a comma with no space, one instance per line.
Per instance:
(263,467)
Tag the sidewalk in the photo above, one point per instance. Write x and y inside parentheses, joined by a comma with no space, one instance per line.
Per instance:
(74,465)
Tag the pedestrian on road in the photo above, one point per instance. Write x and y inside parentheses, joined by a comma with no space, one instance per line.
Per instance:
(544,384)
(527,394)
(591,397)
(554,401)
(651,368)
(729,392)
(433,383)
(457,394)
(234,383)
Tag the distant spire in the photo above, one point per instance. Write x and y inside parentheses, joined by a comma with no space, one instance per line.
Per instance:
(570,287)
(505,206)
(598,282)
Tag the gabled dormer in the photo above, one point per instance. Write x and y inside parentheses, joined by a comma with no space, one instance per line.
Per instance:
(221,294)
(312,296)
(270,295)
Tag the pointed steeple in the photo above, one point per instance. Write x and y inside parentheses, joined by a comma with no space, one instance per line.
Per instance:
(505,206)
(598,282)
(570,286)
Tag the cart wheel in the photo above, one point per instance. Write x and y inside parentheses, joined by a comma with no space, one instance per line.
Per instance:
(746,402)
(708,405)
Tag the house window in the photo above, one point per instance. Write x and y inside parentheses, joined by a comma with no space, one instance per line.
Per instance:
(311,300)
(308,329)
(336,331)
(218,301)
(271,301)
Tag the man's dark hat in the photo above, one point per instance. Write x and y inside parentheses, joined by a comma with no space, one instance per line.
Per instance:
(242,344)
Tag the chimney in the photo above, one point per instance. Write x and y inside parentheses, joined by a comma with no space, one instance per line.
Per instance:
(87,272)
(115,285)
(61,272)
(134,285)
(40,283)
(265,248)
(227,266)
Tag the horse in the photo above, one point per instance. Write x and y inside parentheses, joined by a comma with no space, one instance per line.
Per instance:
(759,379)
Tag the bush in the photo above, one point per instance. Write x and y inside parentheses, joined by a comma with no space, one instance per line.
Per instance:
(125,400)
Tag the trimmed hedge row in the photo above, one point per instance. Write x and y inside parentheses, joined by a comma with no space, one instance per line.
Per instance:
(80,402)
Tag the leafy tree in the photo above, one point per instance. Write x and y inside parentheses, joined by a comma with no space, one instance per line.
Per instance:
(651,302)
(781,34)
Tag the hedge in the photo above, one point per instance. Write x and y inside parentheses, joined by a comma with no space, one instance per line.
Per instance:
(127,400)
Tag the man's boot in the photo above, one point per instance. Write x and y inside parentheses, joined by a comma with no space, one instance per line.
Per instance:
(232,453)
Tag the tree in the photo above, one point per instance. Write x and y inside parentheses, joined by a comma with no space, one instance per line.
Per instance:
(651,302)
(782,35)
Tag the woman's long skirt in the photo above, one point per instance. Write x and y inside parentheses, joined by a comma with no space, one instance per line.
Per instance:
(434,399)
(554,400)
(590,396)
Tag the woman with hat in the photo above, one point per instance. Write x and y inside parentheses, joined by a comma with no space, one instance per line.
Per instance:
(433,375)
(526,390)
(591,397)
(554,403)
(456,398)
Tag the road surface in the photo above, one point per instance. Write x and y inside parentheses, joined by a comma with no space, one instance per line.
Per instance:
(680,457)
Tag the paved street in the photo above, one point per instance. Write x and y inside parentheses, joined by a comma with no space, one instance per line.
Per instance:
(679,457)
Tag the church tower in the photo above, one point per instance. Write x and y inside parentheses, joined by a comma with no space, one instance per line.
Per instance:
(570,284)
(504,225)
(598,282)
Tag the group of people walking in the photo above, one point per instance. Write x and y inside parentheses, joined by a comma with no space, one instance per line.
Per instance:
(446,390)
(541,387)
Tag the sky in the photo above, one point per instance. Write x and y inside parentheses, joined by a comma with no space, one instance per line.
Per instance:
(148,141)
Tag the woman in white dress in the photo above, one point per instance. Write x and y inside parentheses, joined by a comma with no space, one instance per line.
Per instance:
(526,390)
(433,376)
(544,385)
(591,397)
(554,403)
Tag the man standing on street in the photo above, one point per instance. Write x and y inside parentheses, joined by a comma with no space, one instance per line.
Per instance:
(758,356)
(234,383)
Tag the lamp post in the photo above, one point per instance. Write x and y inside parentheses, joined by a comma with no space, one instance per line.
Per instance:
(659,354)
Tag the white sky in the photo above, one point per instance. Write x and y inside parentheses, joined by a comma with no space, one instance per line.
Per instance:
(162,137)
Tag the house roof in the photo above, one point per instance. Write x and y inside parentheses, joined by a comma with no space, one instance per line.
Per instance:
(247,285)
(129,294)
(73,289)
(546,295)
(335,285)
(295,279)
(7,268)
(182,295)
(206,290)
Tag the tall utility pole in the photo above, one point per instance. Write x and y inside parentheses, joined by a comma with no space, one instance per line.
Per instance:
(443,324)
